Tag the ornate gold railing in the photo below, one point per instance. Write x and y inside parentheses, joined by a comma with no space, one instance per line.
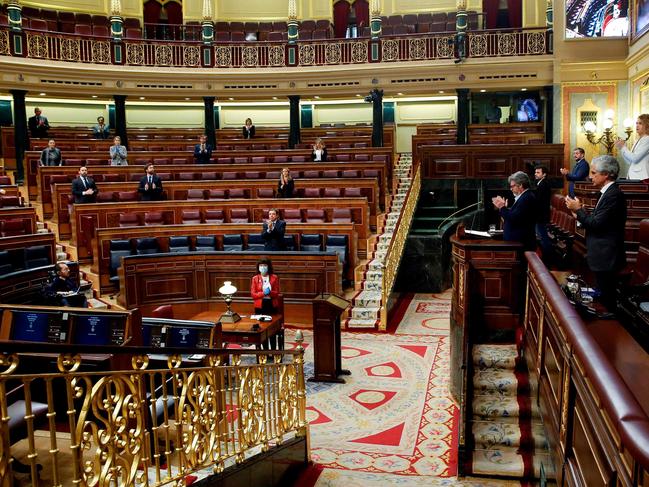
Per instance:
(398,243)
(58,46)
(145,426)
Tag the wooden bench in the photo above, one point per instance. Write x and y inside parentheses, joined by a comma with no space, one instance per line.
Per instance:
(89,217)
(253,189)
(48,175)
(25,287)
(103,236)
(16,247)
(196,277)
(26,215)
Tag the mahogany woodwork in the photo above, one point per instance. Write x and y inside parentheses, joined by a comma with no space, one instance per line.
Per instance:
(103,236)
(177,190)
(16,244)
(88,217)
(25,213)
(24,287)
(590,375)
(486,161)
(196,277)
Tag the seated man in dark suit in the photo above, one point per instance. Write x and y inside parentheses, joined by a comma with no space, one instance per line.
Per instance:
(38,124)
(84,188)
(64,290)
(150,185)
(604,227)
(202,151)
(273,231)
(520,219)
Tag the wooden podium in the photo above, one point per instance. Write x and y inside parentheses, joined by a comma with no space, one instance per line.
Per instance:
(326,339)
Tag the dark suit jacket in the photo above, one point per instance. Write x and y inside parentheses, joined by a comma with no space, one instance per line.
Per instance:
(520,221)
(579,173)
(45,160)
(287,191)
(543,195)
(604,227)
(37,130)
(323,158)
(274,240)
(248,133)
(202,157)
(78,188)
(150,194)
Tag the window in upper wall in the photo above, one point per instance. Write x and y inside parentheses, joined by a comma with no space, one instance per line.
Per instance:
(597,18)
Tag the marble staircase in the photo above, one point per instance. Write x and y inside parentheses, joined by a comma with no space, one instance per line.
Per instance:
(366,305)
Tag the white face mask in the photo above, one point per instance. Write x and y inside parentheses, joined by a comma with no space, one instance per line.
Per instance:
(263,270)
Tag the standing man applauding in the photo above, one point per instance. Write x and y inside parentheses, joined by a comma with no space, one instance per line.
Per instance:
(520,218)
(273,231)
(84,188)
(150,185)
(202,151)
(38,124)
(579,172)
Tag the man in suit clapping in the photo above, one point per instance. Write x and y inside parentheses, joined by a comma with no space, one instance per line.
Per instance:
(84,188)
(273,231)
(150,185)
(202,151)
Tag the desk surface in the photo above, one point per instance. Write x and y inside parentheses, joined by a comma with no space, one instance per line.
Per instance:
(242,331)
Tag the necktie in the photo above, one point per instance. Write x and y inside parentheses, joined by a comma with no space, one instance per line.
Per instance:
(85,184)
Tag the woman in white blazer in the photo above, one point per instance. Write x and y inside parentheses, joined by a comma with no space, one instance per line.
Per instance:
(638,156)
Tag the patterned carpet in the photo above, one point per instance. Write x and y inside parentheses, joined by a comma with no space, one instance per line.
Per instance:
(427,314)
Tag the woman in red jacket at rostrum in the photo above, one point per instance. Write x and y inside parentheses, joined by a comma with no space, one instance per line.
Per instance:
(265,287)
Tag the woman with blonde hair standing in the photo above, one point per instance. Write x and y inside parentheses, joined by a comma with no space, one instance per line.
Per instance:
(638,156)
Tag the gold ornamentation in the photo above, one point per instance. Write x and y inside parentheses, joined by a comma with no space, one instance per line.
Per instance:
(70,49)
(307,54)
(536,42)
(223,56)
(359,52)
(37,46)
(135,54)
(66,362)
(390,48)
(163,55)
(191,56)
(9,362)
(417,48)
(444,47)
(140,362)
(4,43)
(333,53)
(100,52)
(506,44)
(252,406)
(276,56)
(477,45)
(288,400)
(249,56)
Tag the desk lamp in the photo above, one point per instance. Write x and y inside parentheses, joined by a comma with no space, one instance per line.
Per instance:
(227,291)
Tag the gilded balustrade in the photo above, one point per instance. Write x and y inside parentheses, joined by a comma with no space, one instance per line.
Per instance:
(149,426)
(187,54)
(398,243)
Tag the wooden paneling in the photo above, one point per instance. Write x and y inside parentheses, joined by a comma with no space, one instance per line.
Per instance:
(27,214)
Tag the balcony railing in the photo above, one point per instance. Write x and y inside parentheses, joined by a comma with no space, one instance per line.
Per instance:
(257,54)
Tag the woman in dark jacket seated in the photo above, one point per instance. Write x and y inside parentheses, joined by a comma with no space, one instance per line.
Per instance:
(286,184)
(248,129)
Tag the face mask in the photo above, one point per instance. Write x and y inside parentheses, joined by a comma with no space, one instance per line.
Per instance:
(263,269)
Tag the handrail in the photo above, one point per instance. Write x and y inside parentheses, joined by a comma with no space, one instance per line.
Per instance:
(164,423)
(398,242)
(461,210)
(620,404)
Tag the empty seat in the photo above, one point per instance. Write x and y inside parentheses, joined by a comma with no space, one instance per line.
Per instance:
(190,217)
(83,29)
(127,195)
(330,173)
(106,197)
(350,173)
(320,34)
(238,193)
(37,256)
(165,311)
(232,242)
(273,175)
(338,244)
(361,157)
(332,192)
(298,158)
(9,201)
(224,160)
(216,194)
(187,176)
(352,192)
(240,160)
(5,180)
(229,175)
(179,244)
(206,176)
(195,194)
(311,242)
(255,242)
(12,226)
(239,215)
(341,215)
(315,215)
(213,216)
(370,173)
(289,242)
(133,33)
(38,24)
(292,215)
(96,162)
(258,159)
(117,250)
(147,245)
(312,192)
(129,220)
(251,175)
(111,178)
(310,174)
(6,263)
(205,243)
(265,193)
(153,218)
(343,157)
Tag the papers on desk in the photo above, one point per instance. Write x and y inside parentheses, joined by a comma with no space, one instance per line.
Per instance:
(261,317)
(478,233)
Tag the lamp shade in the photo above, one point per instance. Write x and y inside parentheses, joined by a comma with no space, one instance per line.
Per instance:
(590,126)
(227,289)
(608,123)
(609,113)
(628,123)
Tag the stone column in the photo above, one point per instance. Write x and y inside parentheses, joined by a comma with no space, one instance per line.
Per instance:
(375,19)
(14,12)
(20,132)
(116,21)
(294,131)
(377,117)
(292,22)
(208,101)
(207,33)
(120,118)
(463,114)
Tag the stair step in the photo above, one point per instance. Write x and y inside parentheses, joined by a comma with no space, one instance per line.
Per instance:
(489,406)
(359,313)
(507,462)
(40,225)
(357,323)
(368,299)
(494,356)
(495,381)
(488,435)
